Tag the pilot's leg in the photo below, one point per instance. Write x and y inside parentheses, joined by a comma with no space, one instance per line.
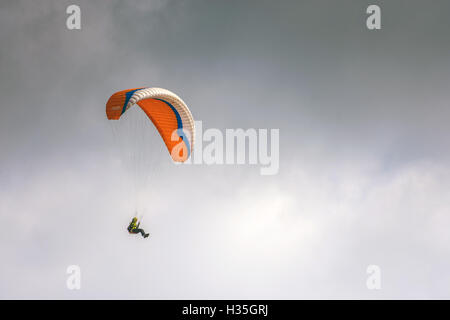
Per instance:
(141,231)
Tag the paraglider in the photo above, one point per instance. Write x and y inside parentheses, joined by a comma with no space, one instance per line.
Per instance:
(133,227)
(172,119)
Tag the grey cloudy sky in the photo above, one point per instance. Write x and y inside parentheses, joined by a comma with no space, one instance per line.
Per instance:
(364,151)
